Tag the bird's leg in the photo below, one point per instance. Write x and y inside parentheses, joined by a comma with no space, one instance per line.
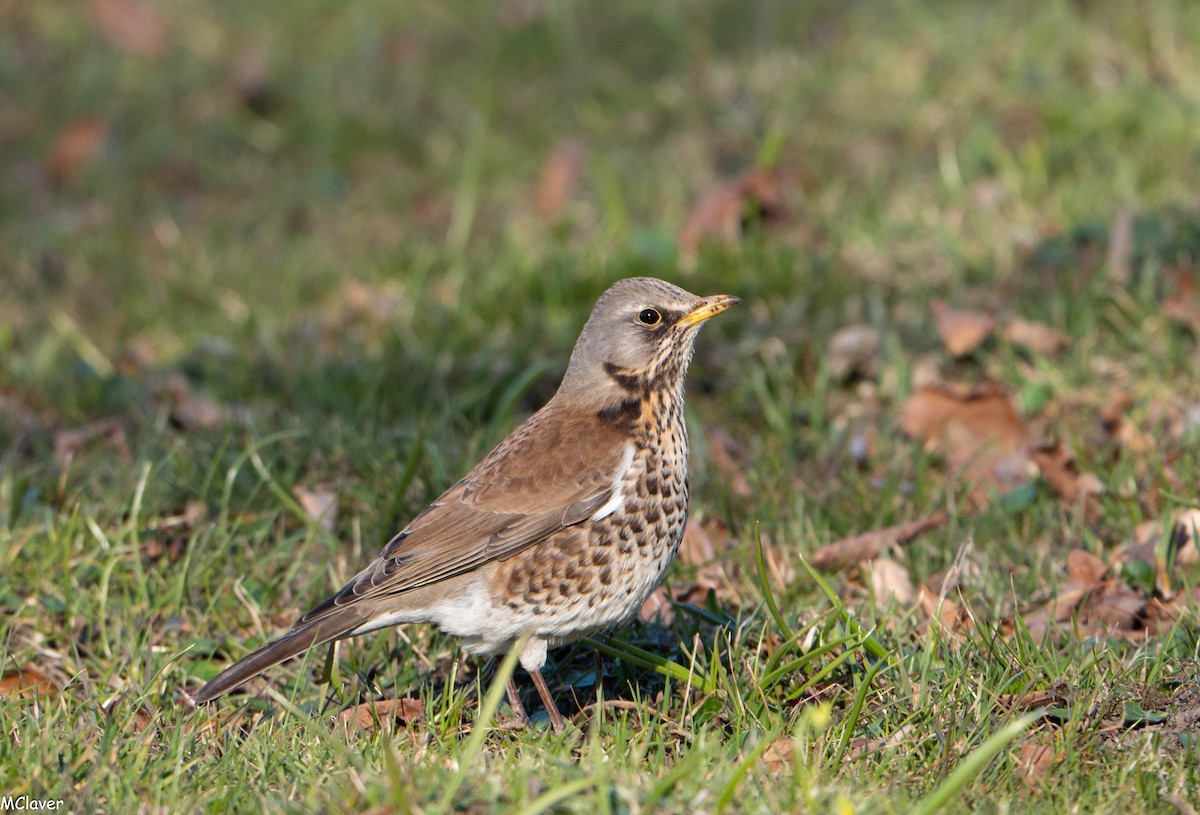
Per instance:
(556,719)
(514,702)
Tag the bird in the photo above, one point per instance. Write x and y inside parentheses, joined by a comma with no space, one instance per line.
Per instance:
(562,530)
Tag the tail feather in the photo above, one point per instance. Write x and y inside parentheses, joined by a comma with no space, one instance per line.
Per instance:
(291,644)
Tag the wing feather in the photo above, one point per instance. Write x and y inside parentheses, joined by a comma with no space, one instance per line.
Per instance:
(551,473)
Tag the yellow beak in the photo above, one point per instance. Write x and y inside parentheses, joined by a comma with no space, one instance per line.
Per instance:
(709,307)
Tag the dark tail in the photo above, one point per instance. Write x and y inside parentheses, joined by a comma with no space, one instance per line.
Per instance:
(291,644)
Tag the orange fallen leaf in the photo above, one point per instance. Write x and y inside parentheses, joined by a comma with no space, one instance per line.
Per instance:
(1035,759)
(950,614)
(1100,605)
(1183,306)
(977,428)
(855,549)
(79,143)
(1039,338)
(27,683)
(777,758)
(385,712)
(1056,462)
(559,179)
(961,331)
(723,212)
(657,608)
(133,26)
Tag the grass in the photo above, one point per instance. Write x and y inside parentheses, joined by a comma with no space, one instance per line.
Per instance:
(319,226)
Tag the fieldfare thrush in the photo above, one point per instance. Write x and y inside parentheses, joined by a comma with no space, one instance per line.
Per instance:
(560,532)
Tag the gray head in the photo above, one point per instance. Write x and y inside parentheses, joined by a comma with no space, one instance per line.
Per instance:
(640,337)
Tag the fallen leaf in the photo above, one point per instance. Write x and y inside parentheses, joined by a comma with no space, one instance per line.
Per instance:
(950,614)
(728,457)
(133,26)
(1099,605)
(140,722)
(657,608)
(1037,337)
(321,506)
(777,758)
(1035,758)
(850,551)
(977,428)
(559,179)
(1183,306)
(27,683)
(890,581)
(79,143)
(385,712)
(1085,570)
(69,443)
(190,410)
(1056,462)
(854,351)
(906,735)
(170,534)
(1033,700)
(722,213)
(961,331)
(1180,547)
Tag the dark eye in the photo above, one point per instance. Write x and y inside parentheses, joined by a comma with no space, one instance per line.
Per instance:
(649,316)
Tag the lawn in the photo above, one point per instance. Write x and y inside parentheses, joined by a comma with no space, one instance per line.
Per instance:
(274,276)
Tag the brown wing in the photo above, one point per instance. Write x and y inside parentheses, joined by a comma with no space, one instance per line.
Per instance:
(552,472)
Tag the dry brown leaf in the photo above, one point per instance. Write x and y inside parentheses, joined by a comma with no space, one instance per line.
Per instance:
(721,213)
(1085,570)
(172,532)
(1056,462)
(952,615)
(1035,759)
(69,443)
(869,545)
(889,580)
(321,505)
(385,712)
(1033,700)
(1037,337)
(777,758)
(961,331)
(79,143)
(27,683)
(728,458)
(559,179)
(906,735)
(1184,305)
(1100,605)
(1180,549)
(657,608)
(854,351)
(143,717)
(190,410)
(978,430)
(133,26)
